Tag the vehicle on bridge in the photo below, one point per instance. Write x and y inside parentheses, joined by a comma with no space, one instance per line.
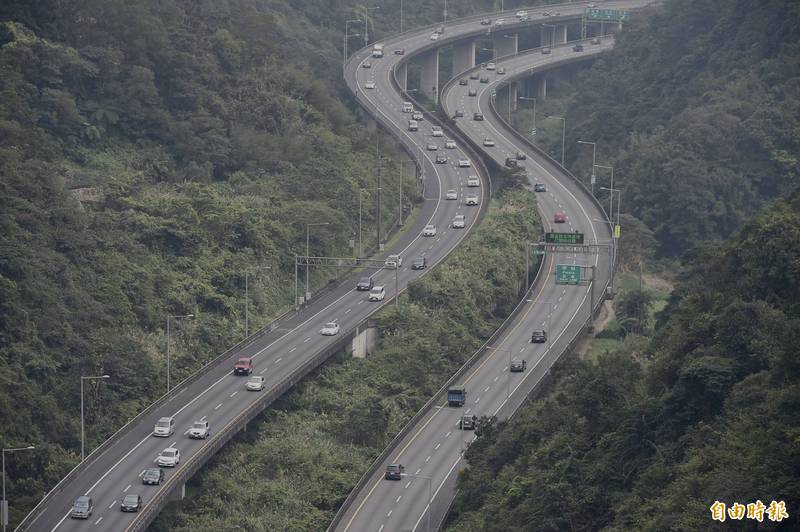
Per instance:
(518,365)
(82,508)
(199,430)
(243,366)
(538,337)
(467,422)
(456,396)
(169,457)
(131,503)
(377,294)
(330,329)
(394,472)
(377,50)
(164,427)
(255,384)
(153,476)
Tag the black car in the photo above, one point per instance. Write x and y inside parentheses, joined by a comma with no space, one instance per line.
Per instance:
(467,422)
(463,81)
(420,263)
(577,48)
(478,117)
(538,337)
(365,283)
(394,472)
(484,79)
(520,156)
(131,503)
(539,187)
(474,75)
(459,113)
(153,476)
(400,51)
(511,163)
(486,21)
(595,40)
(472,92)
(518,365)
(441,159)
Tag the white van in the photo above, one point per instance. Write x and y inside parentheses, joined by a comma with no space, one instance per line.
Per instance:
(377,293)
(164,428)
(413,125)
(408,107)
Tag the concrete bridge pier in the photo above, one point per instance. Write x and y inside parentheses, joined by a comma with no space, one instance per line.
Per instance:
(179,493)
(463,56)
(541,88)
(364,342)
(402,76)
(561,33)
(429,77)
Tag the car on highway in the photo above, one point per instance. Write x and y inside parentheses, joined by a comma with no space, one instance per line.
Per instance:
(441,159)
(199,430)
(484,79)
(477,116)
(595,40)
(153,476)
(546,50)
(459,222)
(440,29)
(243,366)
(432,147)
(429,230)
(547,14)
(394,472)
(559,218)
(436,131)
(413,125)
(473,181)
(365,283)
(369,85)
(491,66)
(419,263)
(486,21)
(255,384)
(451,194)
(164,427)
(169,457)
(434,36)
(501,71)
(474,75)
(577,48)
(488,142)
(408,107)
(366,64)
(400,51)
(463,81)
(522,14)
(511,163)
(499,22)
(464,163)
(330,329)
(520,156)
(467,422)
(472,92)
(539,187)
(394,261)
(450,144)
(416,115)
(472,199)
(82,508)
(517,365)
(131,503)
(377,294)
(459,113)
(538,337)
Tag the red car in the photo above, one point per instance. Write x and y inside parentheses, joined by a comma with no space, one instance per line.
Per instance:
(560,218)
(244,366)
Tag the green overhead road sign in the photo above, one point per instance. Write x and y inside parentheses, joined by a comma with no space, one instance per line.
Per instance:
(563,238)
(568,274)
(611,15)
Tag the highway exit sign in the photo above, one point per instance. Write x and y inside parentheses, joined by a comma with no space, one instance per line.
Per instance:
(563,238)
(568,274)
(612,15)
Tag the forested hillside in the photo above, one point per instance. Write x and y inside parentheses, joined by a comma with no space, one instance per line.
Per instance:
(649,441)
(698,110)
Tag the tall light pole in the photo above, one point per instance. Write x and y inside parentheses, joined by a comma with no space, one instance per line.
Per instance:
(247,299)
(401,16)
(366,23)
(83,433)
(403,162)
(360,197)
(308,266)
(614,230)
(444,13)
(346,37)
(169,360)
(563,134)
(533,128)
(610,196)
(4,502)
(594,161)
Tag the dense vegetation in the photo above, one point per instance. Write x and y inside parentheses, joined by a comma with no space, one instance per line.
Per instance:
(696,109)
(295,466)
(648,441)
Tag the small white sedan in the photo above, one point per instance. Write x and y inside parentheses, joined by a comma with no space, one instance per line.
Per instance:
(472,199)
(473,181)
(255,384)
(451,194)
(369,85)
(490,66)
(464,163)
(330,329)
(169,457)
(429,230)
(488,142)
(450,144)
(434,36)
(459,222)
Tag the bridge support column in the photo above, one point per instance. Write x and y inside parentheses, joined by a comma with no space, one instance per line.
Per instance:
(402,76)
(463,56)
(429,78)
(505,44)
(541,90)
(512,93)
(364,342)
(561,33)
(179,493)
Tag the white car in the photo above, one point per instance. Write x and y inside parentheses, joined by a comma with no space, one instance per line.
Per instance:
(169,457)
(416,115)
(330,329)
(473,181)
(369,85)
(377,293)
(490,66)
(488,142)
(499,22)
(472,199)
(164,427)
(255,384)
(394,261)
(459,222)
(436,131)
(434,36)
(199,430)
(451,194)
(463,163)
(450,144)
(429,230)
(432,147)
(522,14)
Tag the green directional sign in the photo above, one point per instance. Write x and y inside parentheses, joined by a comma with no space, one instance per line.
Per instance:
(568,274)
(563,238)
(611,15)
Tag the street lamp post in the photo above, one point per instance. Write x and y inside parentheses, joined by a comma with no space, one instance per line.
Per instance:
(346,37)
(563,135)
(533,128)
(83,433)
(594,161)
(4,503)
(169,361)
(366,23)
(247,300)
(308,265)
(360,240)
(611,196)
(403,162)
(614,230)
